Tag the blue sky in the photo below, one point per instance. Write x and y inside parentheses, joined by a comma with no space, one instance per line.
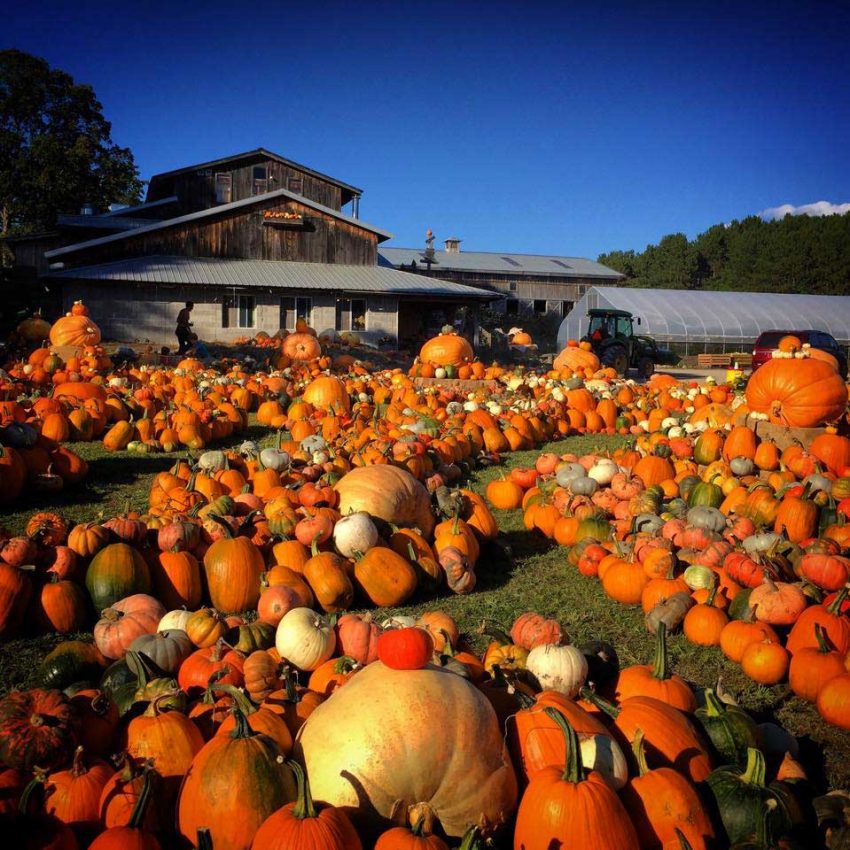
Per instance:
(526,126)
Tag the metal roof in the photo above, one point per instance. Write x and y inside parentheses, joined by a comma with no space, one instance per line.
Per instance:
(208,271)
(736,318)
(219,210)
(148,205)
(502,263)
(104,222)
(260,152)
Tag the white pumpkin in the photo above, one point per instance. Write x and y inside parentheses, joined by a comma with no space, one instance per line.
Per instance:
(275,459)
(603,754)
(558,668)
(400,621)
(305,638)
(355,533)
(175,620)
(603,471)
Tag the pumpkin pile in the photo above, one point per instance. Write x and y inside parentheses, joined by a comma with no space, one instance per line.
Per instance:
(743,546)
(374,734)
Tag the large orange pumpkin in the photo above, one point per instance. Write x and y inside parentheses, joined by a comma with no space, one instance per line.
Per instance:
(797,393)
(446,350)
(301,346)
(575,358)
(328,393)
(75,330)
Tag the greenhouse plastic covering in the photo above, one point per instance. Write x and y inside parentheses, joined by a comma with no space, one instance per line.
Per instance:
(728,318)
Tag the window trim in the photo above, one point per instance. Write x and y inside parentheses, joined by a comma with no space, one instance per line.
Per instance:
(295,299)
(299,181)
(253,311)
(226,180)
(351,314)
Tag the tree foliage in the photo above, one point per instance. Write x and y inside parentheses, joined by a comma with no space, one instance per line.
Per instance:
(797,254)
(56,150)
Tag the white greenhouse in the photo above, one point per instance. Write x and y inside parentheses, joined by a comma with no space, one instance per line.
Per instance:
(691,322)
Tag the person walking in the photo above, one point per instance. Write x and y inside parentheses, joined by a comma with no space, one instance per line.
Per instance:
(184,328)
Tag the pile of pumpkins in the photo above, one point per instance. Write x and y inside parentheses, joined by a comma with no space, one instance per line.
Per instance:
(741,545)
(353,734)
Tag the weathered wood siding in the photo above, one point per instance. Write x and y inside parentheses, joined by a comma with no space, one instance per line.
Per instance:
(241,234)
(29,253)
(196,189)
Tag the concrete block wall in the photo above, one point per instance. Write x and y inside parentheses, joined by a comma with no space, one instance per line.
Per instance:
(148,314)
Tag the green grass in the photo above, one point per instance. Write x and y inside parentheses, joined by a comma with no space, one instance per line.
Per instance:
(523,572)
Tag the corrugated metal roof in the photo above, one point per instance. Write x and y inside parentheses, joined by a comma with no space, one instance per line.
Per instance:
(503,263)
(674,315)
(148,205)
(219,210)
(104,222)
(261,152)
(208,271)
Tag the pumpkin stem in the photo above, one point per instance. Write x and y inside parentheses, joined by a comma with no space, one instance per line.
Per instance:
(713,705)
(228,531)
(304,807)
(574,769)
(825,645)
(79,768)
(661,669)
(242,729)
(835,606)
(289,685)
(239,699)
(602,704)
(711,594)
(418,829)
(471,839)
(138,815)
(204,839)
(345,664)
(493,630)
(755,770)
(684,844)
(640,752)
(38,781)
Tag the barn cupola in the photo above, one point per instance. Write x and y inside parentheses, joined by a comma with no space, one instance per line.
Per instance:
(453,245)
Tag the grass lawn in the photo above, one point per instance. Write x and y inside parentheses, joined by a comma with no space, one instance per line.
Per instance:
(525,572)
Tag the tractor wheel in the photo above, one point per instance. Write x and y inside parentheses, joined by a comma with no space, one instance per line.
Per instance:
(645,367)
(616,357)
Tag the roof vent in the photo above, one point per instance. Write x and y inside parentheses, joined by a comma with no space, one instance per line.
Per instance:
(86,209)
(453,245)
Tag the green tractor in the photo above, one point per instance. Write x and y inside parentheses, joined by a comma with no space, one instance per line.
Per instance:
(611,334)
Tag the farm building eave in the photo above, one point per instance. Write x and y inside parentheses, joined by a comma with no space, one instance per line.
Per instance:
(271,274)
(497,262)
(734,318)
(260,152)
(215,211)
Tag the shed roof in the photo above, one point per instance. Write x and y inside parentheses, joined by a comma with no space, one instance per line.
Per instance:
(208,271)
(736,318)
(501,263)
(259,152)
(221,209)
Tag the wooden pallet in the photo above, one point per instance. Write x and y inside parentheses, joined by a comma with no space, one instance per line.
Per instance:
(725,361)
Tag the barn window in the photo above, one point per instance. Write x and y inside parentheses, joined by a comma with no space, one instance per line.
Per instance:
(566,306)
(260,182)
(539,305)
(223,188)
(512,286)
(247,306)
(293,308)
(226,307)
(511,307)
(351,314)
(295,184)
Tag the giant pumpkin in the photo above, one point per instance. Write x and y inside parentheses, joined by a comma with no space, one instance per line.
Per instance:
(576,359)
(797,393)
(387,492)
(447,349)
(75,330)
(422,736)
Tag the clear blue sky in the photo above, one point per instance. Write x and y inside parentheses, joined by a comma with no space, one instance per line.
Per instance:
(521,126)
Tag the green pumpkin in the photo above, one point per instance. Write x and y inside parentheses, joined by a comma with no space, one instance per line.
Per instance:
(596,528)
(741,800)
(739,607)
(687,484)
(70,662)
(451,371)
(731,730)
(705,494)
(123,679)
(115,572)
(251,637)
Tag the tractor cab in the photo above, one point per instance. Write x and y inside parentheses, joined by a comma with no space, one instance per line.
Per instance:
(611,335)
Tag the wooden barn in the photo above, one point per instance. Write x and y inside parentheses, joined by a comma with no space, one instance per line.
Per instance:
(256,241)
